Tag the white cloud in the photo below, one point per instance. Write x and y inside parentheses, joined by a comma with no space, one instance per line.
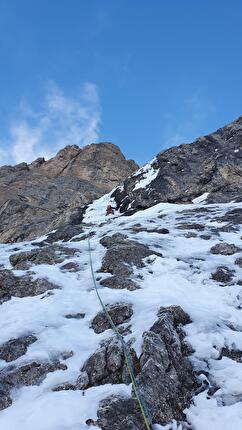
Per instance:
(63,120)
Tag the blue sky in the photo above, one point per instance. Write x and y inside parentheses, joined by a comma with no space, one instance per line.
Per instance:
(144,74)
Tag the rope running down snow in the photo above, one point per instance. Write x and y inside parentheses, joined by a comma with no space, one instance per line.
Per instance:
(142,406)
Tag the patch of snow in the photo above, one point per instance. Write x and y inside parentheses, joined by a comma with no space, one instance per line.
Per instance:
(96,212)
(148,175)
(200,199)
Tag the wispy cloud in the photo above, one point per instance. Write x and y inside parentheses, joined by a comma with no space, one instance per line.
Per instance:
(186,124)
(63,120)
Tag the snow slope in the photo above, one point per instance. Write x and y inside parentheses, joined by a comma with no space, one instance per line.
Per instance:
(182,277)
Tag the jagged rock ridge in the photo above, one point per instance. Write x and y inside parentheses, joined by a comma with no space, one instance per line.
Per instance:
(38,197)
(212,164)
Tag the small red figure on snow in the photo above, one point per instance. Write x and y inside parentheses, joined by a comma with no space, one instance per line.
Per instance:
(109,210)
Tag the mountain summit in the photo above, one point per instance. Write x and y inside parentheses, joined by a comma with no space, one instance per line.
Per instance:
(38,197)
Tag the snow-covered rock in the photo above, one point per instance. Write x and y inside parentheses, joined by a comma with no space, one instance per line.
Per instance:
(172,269)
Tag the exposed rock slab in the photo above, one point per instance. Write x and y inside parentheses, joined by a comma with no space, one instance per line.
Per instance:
(119,283)
(45,255)
(29,374)
(122,254)
(119,312)
(24,286)
(15,348)
(224,248)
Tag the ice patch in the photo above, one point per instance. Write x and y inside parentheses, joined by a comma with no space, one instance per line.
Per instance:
(200,199)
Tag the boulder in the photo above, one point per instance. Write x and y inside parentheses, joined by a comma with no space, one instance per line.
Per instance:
(44,255)
(119,283)
(119,313)
(64,233)
(223,275)
(28,374)
(22,286)
(15,348)
(119,413)
(71,267)
(122,254)
(224,248)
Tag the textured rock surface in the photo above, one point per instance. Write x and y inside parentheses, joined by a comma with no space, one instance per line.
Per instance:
(107,365)
(122,254)
(225,249)
(238,261)
(29,374)
(212,164)
(24,286)
(164,375)
(44,255)
(223,275)
(119,283)
(44,195)
(15,348)
(119,312)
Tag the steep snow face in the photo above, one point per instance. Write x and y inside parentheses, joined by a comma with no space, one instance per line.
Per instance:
(187,275)
(148,174)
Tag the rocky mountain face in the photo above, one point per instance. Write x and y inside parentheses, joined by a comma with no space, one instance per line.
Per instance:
(212,164)
(169,274)
(37,198)
(171,279)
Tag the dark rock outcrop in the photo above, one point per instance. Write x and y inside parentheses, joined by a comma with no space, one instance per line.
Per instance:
(164,375)
(163,372)
(29,374)
(15,348)
(224,248)
(71,267)
(122,254)
(233,217)
(107,365)
(44,195)
(119,312)
(77,316)
(24,286)
(212,164)
(45,255)
(119,283)
(188,226)
(238,262)
(120,413)
(223,275)
(235,355)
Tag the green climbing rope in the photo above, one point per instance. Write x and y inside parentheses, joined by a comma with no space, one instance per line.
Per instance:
(140,401)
